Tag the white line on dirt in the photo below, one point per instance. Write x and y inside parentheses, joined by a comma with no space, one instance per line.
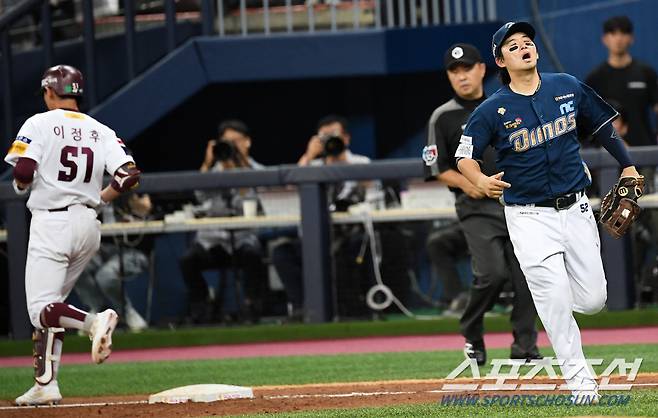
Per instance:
(273,397)
(338,395)
(74,405)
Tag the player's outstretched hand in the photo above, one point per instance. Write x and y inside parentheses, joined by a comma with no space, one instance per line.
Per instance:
(493,186)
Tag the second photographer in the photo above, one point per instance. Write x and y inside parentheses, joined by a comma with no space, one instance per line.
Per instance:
(330,146)
(218,248)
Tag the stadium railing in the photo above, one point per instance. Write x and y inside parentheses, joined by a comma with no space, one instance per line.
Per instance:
(315,220)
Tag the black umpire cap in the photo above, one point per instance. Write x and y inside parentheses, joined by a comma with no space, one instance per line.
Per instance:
(465,54)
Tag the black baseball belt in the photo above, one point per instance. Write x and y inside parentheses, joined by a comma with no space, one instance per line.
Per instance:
(562,202)
(65,208)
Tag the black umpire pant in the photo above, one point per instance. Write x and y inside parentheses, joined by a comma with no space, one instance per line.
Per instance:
(493,262)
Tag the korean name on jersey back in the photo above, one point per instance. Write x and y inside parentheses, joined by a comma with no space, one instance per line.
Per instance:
(72,152)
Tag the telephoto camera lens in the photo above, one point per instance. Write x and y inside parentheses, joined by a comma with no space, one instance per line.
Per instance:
(333,146)
(224,150)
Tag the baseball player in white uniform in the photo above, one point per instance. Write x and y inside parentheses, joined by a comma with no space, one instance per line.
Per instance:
(60,156)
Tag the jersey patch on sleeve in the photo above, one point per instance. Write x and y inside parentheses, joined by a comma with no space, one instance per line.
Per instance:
(430,154)
(464,151)
(18,147)
(467,140)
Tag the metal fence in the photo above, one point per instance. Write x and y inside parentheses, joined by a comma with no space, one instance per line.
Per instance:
(223,18)
(265,16)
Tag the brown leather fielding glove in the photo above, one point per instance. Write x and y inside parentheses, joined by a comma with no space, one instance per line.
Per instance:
(619,207)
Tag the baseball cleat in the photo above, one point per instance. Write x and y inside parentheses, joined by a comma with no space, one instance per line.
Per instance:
(529,356)
(40,395)
(475,350)
(101,335)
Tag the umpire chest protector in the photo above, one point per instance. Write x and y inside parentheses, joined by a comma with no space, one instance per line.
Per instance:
(536,137)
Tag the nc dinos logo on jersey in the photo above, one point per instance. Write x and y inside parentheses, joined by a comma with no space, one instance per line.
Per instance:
(524,139)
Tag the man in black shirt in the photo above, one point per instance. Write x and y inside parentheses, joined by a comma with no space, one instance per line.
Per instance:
(482,219)
(633,86)
(626,80)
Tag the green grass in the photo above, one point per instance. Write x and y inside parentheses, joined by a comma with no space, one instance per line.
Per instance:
(263,333)
(151,377)
(642,403)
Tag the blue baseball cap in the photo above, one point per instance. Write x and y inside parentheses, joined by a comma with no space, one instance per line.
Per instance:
(507,30)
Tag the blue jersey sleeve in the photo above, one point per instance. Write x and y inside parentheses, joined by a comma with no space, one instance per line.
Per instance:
(594,112)
(478,134)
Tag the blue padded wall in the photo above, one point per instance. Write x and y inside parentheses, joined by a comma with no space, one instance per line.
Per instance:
(575,29)
(210,60)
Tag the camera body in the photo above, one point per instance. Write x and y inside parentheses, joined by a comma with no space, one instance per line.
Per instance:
(224,150)
(333,145)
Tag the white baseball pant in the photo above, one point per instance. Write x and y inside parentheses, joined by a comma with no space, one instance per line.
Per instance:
(60,246)
(559,253)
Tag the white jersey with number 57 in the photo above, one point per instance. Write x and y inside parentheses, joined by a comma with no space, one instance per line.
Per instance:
(72,151)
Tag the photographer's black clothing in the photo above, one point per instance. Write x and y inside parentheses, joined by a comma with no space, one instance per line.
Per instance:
(287,261)
(635,88)
(225,202)
(446,246)
(483,222)
(219,248)
(345,194)
(351,278)
(246,259)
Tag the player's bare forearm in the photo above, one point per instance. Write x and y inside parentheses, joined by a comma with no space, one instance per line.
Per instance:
(454,178)
(109,194)
(491,186)
(470,169)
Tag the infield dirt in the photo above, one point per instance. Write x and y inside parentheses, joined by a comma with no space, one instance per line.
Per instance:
(274,399)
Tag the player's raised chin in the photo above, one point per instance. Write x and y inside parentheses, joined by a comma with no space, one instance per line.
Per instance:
(519,53)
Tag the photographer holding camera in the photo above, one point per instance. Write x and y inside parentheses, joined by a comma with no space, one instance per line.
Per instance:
(231,150)
(218,248)
(330,145)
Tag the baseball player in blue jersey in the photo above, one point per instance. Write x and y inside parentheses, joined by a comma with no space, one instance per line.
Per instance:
(533,122)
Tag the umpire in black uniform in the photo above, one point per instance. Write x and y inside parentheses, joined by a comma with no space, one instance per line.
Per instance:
(482,219)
